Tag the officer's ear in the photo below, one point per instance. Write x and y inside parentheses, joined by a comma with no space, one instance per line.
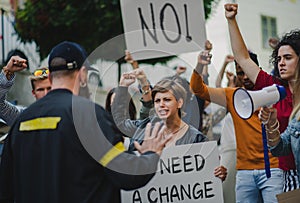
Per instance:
(83,76)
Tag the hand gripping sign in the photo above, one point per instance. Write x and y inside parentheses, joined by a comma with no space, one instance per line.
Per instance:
(185,174)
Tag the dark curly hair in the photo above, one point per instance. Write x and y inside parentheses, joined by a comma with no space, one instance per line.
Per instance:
(292,39)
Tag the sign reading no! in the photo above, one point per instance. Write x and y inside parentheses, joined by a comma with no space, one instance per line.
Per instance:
(157,28)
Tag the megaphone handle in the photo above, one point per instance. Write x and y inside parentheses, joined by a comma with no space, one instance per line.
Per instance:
(266,155)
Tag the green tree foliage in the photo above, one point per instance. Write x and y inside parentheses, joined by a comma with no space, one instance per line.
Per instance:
(89,23)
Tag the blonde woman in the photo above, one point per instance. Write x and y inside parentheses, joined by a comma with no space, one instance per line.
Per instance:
(168,97)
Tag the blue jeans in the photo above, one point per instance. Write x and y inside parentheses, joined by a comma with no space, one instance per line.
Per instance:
(253,186)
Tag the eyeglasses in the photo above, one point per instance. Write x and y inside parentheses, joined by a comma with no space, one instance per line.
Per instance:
(240,73)
(43,72)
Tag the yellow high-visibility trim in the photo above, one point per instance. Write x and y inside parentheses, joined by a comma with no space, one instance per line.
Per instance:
(45,123)
(112,153)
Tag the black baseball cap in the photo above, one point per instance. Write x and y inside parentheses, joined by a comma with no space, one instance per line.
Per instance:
(74,55)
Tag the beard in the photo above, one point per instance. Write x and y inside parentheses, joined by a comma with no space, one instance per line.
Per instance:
(248,85)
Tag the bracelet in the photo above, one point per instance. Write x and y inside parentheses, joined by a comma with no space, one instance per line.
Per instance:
(276,123)
(7,73)
(274,127)
(144,92)
(274,140)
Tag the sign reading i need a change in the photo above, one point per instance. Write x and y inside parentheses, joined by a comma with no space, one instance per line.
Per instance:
(157,28)
(185,173)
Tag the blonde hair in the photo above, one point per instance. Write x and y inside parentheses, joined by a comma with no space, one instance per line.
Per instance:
(177,90)
(34,78)
(166,85)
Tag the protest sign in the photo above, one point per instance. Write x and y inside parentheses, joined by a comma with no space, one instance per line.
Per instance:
(157,28)
(289,197)
(185,173)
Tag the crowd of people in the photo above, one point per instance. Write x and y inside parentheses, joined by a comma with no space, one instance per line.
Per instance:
(65,148)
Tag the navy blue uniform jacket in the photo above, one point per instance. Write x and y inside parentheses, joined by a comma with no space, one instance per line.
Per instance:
(64,148)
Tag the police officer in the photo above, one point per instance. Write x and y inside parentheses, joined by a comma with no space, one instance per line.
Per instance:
(65,148)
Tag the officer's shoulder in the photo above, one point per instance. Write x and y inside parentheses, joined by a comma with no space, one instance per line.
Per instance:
(84,102)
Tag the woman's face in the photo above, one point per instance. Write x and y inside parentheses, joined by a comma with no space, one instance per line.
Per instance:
(287,62)
(166,105)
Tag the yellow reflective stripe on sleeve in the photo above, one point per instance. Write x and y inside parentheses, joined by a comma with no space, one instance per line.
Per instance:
(112,153)
(45,123)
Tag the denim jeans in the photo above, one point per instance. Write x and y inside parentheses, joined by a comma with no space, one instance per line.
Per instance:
(252,185)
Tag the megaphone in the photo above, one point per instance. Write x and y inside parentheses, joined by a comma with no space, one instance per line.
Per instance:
(246,102)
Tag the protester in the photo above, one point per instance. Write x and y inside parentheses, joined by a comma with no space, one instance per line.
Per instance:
(284,58)
(251,179)
(168,97)
(19,53)
(39,83)
(194,106)
(232,80)
(289,140)
(65,148)
(131,108)
(110,98)
(227,144)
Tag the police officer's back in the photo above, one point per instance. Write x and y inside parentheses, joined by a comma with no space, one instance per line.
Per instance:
(64,148)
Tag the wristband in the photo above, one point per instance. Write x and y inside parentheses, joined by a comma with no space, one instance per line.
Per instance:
(7,73)
(273,128)
(274,140)
(144,92)
(275,124)
(144,86)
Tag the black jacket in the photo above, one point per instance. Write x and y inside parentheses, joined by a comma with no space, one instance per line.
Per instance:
(64,148)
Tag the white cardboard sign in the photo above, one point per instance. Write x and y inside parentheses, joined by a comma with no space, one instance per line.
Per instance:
(157,28)
(185,173)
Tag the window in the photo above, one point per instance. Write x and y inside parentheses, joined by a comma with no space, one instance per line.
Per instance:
(269,29)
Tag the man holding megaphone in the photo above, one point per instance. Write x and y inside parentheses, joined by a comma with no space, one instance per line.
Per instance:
(251,180)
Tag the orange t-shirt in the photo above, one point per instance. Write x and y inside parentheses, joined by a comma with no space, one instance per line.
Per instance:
(250,151)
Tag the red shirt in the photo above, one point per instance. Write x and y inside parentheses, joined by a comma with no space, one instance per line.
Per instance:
(284,109)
